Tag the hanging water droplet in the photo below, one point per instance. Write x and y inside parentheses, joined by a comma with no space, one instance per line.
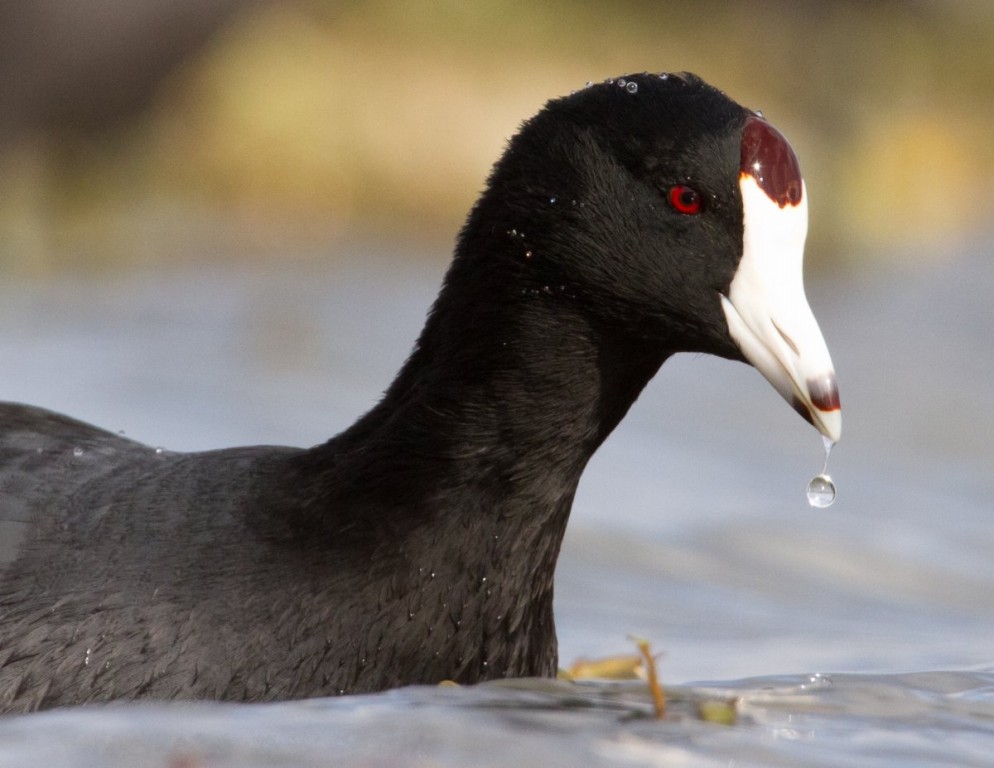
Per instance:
(664,75)
(632,87)
(77,452)
(552,201)
(821,488)
(160,450)
(622,82)
(821,491)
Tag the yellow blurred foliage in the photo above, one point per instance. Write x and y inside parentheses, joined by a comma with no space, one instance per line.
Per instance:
(304,120)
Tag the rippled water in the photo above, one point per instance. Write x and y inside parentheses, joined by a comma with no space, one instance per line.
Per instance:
(867,720)
(862,634)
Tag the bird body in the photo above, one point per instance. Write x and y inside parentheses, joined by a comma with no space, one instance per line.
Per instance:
(420,544)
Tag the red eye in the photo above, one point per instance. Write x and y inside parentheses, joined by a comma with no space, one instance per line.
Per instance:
(685,199)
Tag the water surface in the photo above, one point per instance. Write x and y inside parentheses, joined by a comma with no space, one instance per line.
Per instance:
(861,634)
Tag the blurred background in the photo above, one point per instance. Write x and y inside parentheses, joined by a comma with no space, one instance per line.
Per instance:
(138,131)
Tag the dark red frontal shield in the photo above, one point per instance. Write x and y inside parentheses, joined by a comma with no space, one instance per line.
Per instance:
(769,158)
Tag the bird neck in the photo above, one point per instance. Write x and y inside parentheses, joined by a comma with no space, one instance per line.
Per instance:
(455,490)
(509,391)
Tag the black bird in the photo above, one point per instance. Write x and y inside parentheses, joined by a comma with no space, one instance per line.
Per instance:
(634,219)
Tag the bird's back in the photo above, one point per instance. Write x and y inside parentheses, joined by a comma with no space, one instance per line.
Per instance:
(122,566)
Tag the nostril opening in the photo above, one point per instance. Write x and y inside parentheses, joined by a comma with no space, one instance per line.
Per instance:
(789,341)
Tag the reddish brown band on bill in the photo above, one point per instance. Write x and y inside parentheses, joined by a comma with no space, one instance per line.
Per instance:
(824,393)
(824,396)
(768,158)
(798,405)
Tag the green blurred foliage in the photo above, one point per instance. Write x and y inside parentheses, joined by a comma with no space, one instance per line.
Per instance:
(304,121)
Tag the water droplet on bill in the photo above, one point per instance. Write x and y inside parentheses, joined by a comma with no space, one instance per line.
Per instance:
(821,488)
(821,491)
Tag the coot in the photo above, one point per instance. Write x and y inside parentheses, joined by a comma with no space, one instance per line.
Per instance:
(632,220)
